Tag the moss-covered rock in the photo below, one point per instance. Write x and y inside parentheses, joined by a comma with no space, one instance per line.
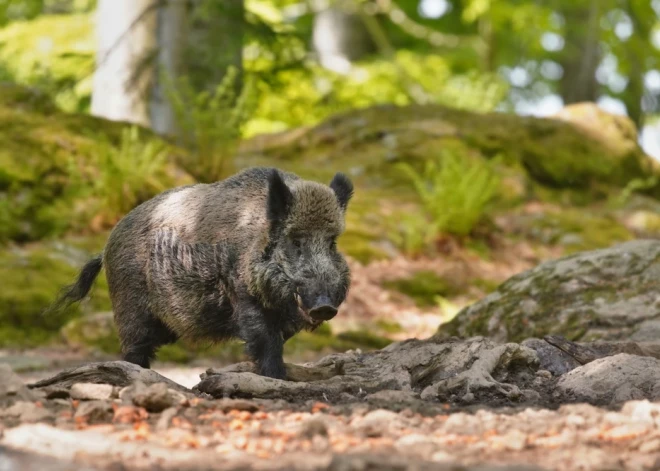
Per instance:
(31,279)
(552,152)
(603,294)
(572,228)
(49,162)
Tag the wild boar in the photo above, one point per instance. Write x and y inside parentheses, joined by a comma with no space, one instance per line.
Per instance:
(252,257)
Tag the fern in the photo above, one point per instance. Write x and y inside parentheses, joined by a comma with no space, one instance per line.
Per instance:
(455,191)
(129,172)
(210,124)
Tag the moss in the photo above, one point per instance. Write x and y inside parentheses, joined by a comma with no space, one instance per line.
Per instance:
(553,153)
(96,330)
(579,230)
(424,287)
(488,286)
(364,340)
(388,327)
(48,165)
(32,277)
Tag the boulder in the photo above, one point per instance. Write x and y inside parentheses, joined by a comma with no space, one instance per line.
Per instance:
(610,294)
(613,380)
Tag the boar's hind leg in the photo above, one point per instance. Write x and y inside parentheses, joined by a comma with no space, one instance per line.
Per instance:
(264,342)
(141,337)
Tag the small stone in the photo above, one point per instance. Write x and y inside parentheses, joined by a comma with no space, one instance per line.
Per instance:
(416,444)
(442,457)
(514,440)
(313,427)
(467,397)
(126,394)
(165,418)
(545,374)
(27,412)
(91,392)
(651,446)
(12,388)
(157,398)
(376,423)
(94,412)
(531,395)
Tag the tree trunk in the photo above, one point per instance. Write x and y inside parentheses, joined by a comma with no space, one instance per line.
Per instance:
(215,42)
(138,41)
(339,38)
(126,32)
(581,53)
(171,36)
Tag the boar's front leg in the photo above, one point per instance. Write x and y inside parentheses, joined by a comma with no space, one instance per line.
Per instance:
(263,339)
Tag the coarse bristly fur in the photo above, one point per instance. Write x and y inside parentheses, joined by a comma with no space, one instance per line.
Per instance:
(250,257)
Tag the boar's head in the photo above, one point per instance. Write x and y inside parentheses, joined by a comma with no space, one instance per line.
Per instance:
(304,269)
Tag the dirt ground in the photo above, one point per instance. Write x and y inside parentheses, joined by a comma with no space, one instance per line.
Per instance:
(105,427)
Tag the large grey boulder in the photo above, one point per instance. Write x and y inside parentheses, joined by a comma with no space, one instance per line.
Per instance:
(611,294)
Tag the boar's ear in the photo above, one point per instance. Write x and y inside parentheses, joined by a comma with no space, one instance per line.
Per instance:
(343,189)
(279,197)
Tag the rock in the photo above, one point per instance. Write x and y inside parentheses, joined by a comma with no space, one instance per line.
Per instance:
(157,397)
(513,440)
(416,444)
(27,412)
(92,392)
(165,418)
(95,330)
(94,412)
(626,392)
(617,132)
(12,388)
(602,294)
(313,427)
(552,360)
(376,423)
(609,379)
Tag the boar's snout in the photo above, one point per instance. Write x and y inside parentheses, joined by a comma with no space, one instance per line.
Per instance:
(323,309)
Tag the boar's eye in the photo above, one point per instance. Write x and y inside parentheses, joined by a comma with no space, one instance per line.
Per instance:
(296,243)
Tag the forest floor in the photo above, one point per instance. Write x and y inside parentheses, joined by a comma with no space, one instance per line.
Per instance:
(379,432)
(100,427)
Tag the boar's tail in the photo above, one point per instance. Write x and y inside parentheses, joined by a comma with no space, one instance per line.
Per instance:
(78,290)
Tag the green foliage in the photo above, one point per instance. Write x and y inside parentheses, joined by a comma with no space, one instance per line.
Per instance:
(54,53)
(413,233)
(210,124)
(636,185)
(129,172)
(31,279)
(306,95)
(424,287)
(455,191)
(51,178)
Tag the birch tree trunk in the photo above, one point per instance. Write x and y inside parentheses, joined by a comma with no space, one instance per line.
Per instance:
(582,53)
(171,34)
(138,41)
(127,42)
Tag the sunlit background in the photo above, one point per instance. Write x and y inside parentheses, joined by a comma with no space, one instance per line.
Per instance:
(311,58)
